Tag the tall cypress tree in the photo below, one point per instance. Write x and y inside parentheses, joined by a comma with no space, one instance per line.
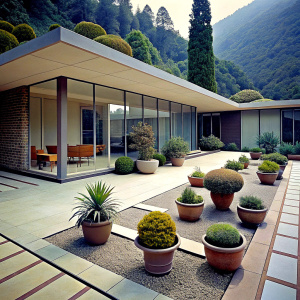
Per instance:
(125,17)
(106,16)
(201,62)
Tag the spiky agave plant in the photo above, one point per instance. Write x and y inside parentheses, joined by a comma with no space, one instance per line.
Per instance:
(97,206)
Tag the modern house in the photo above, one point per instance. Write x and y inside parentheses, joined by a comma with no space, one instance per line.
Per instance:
(67,104)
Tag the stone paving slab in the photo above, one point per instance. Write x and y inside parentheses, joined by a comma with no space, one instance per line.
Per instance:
(150,207)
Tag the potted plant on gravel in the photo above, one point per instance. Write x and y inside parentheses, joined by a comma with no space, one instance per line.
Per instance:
(176,149)
(234,165)
(158,240)
(251,210)
(96,212)
(280,159)
(268,141)
(268,172)
(143,140)
(255,153)
(189,205)
(222,184)
(244,160)
(196,178)
(224,247)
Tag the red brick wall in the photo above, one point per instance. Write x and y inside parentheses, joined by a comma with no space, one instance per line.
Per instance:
(14,125)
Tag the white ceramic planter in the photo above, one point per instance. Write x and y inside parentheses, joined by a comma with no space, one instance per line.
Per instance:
(147,166)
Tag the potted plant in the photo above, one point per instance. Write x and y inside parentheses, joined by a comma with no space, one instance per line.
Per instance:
(268,172)
(222,184)
(244,160)
(234,165)
(189,205)
(251,210)
(143,140)
(196,178)
(96,212)
(176,149)
(286,149)
(280,159)
(295,155)
(255,153)
(224,247)
(268,141)
(158,240)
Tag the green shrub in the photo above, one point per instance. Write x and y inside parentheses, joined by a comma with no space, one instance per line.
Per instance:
(223,181)
(161,158)
(296,149)
(157,230)
(246,96)
(6,26)
(268,167)
(197,173)
(255,150)
(286,149)
(234,165)
(210,143)
(175,147)
(124,165)
(188,196)
(268,140)
(251,202)
(231,147)
(262,100)
(243,159)
(223,235)
(276,157)
(7,41)
(89,29)
(24,32)
(245,149)
(53,26)
(115,42)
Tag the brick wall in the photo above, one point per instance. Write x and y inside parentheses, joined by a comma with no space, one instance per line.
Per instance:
(14,125)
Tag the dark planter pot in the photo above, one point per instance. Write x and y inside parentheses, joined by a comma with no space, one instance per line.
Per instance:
(294,156)
(246,165)
(196,181)
(251,216)
(222,201)
(267,178)
(96,233)
(281,170)
(255,155)
(189,212)
(177,162)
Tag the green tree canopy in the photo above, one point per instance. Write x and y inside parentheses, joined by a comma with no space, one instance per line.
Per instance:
(13,11)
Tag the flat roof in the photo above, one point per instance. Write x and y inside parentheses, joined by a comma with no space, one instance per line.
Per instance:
(62,52)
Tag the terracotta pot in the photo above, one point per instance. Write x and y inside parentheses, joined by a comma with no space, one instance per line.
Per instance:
(222,201)
(224,259)
(251,216)
(178,162)
(189,212)
(267,178)
(294,156)
(255,155)
(196,181)
(96,233)
(246,165)
(281,170)
(147,166)
(158,261)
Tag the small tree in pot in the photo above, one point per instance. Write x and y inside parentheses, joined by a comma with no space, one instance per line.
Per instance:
(255,153)
(268,172)
(244,160)
(279,159)
(176,149)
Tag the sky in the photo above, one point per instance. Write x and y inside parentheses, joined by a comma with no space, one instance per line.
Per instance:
(180,10)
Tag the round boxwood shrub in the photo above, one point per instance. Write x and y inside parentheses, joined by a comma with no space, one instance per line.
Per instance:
(246,96)
(6,26)
(251,202)
(157,230)
(234,165)
(255,150)
(115,42)
(23,32)
(89,29)
(223,235)
(124,165)
(223,181)
(7,41)
(53,26)
(268,167)
(161,158)
(276,157)
(210,143)
(188,196)
(231,147)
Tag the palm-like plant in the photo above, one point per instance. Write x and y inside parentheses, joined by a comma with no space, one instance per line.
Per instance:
(268,140)
(97,206)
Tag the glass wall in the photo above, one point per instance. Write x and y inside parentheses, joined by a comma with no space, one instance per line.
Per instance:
(194,126)
(211,125)
(164,122)
(297,125)
(206,125)
(187,122)
(287,126)
(150,114)
(270,121)
(250,128)
(176,119)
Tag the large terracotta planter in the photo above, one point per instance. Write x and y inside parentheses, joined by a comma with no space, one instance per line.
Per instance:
(96,233)
(189,212)
(255,155)
(251,216)
(224,259)
(246,165)
(177,162)
(267,178)
(158,261)
(196,181)
(222,201)
(147,166)
(294,156)
(281,170)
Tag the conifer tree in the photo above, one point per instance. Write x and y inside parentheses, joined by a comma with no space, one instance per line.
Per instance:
(163,19)
(201,64)
(125,17)
(146,18)
(106,16)
(13,11)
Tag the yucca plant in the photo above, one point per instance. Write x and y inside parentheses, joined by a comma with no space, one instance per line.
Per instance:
(97,206)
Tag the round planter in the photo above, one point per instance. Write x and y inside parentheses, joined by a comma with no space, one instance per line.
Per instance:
(189,212)
(96,233)
(158,261)
(196,181)
(251,216)
(222,201)
(224,259)
(267,178)
(177,162)
(246,165)
(255,155)
(294,156)
(281,170)
(147,166)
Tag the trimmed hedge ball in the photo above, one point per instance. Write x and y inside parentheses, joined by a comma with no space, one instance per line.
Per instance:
(115,42)
(7,41)
(53,26)
(89,29)
(161,158)
(6,26)
(124,165)
(23,32)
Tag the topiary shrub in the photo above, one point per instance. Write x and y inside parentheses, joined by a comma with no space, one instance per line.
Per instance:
(246,96)
(286,149)
(115,42)
(24,32)
(175,147)
(223,181)
(7,41)
(251,202)
(161,158)
(268,167)
(210,143)
(245,149)
(6,26)
(223,235)
(243,159)
(231,147)
(255,150)
(124,165)
(188,196)
(89,29)
(276,157)
(157,230)
(234,165)
(53,26)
